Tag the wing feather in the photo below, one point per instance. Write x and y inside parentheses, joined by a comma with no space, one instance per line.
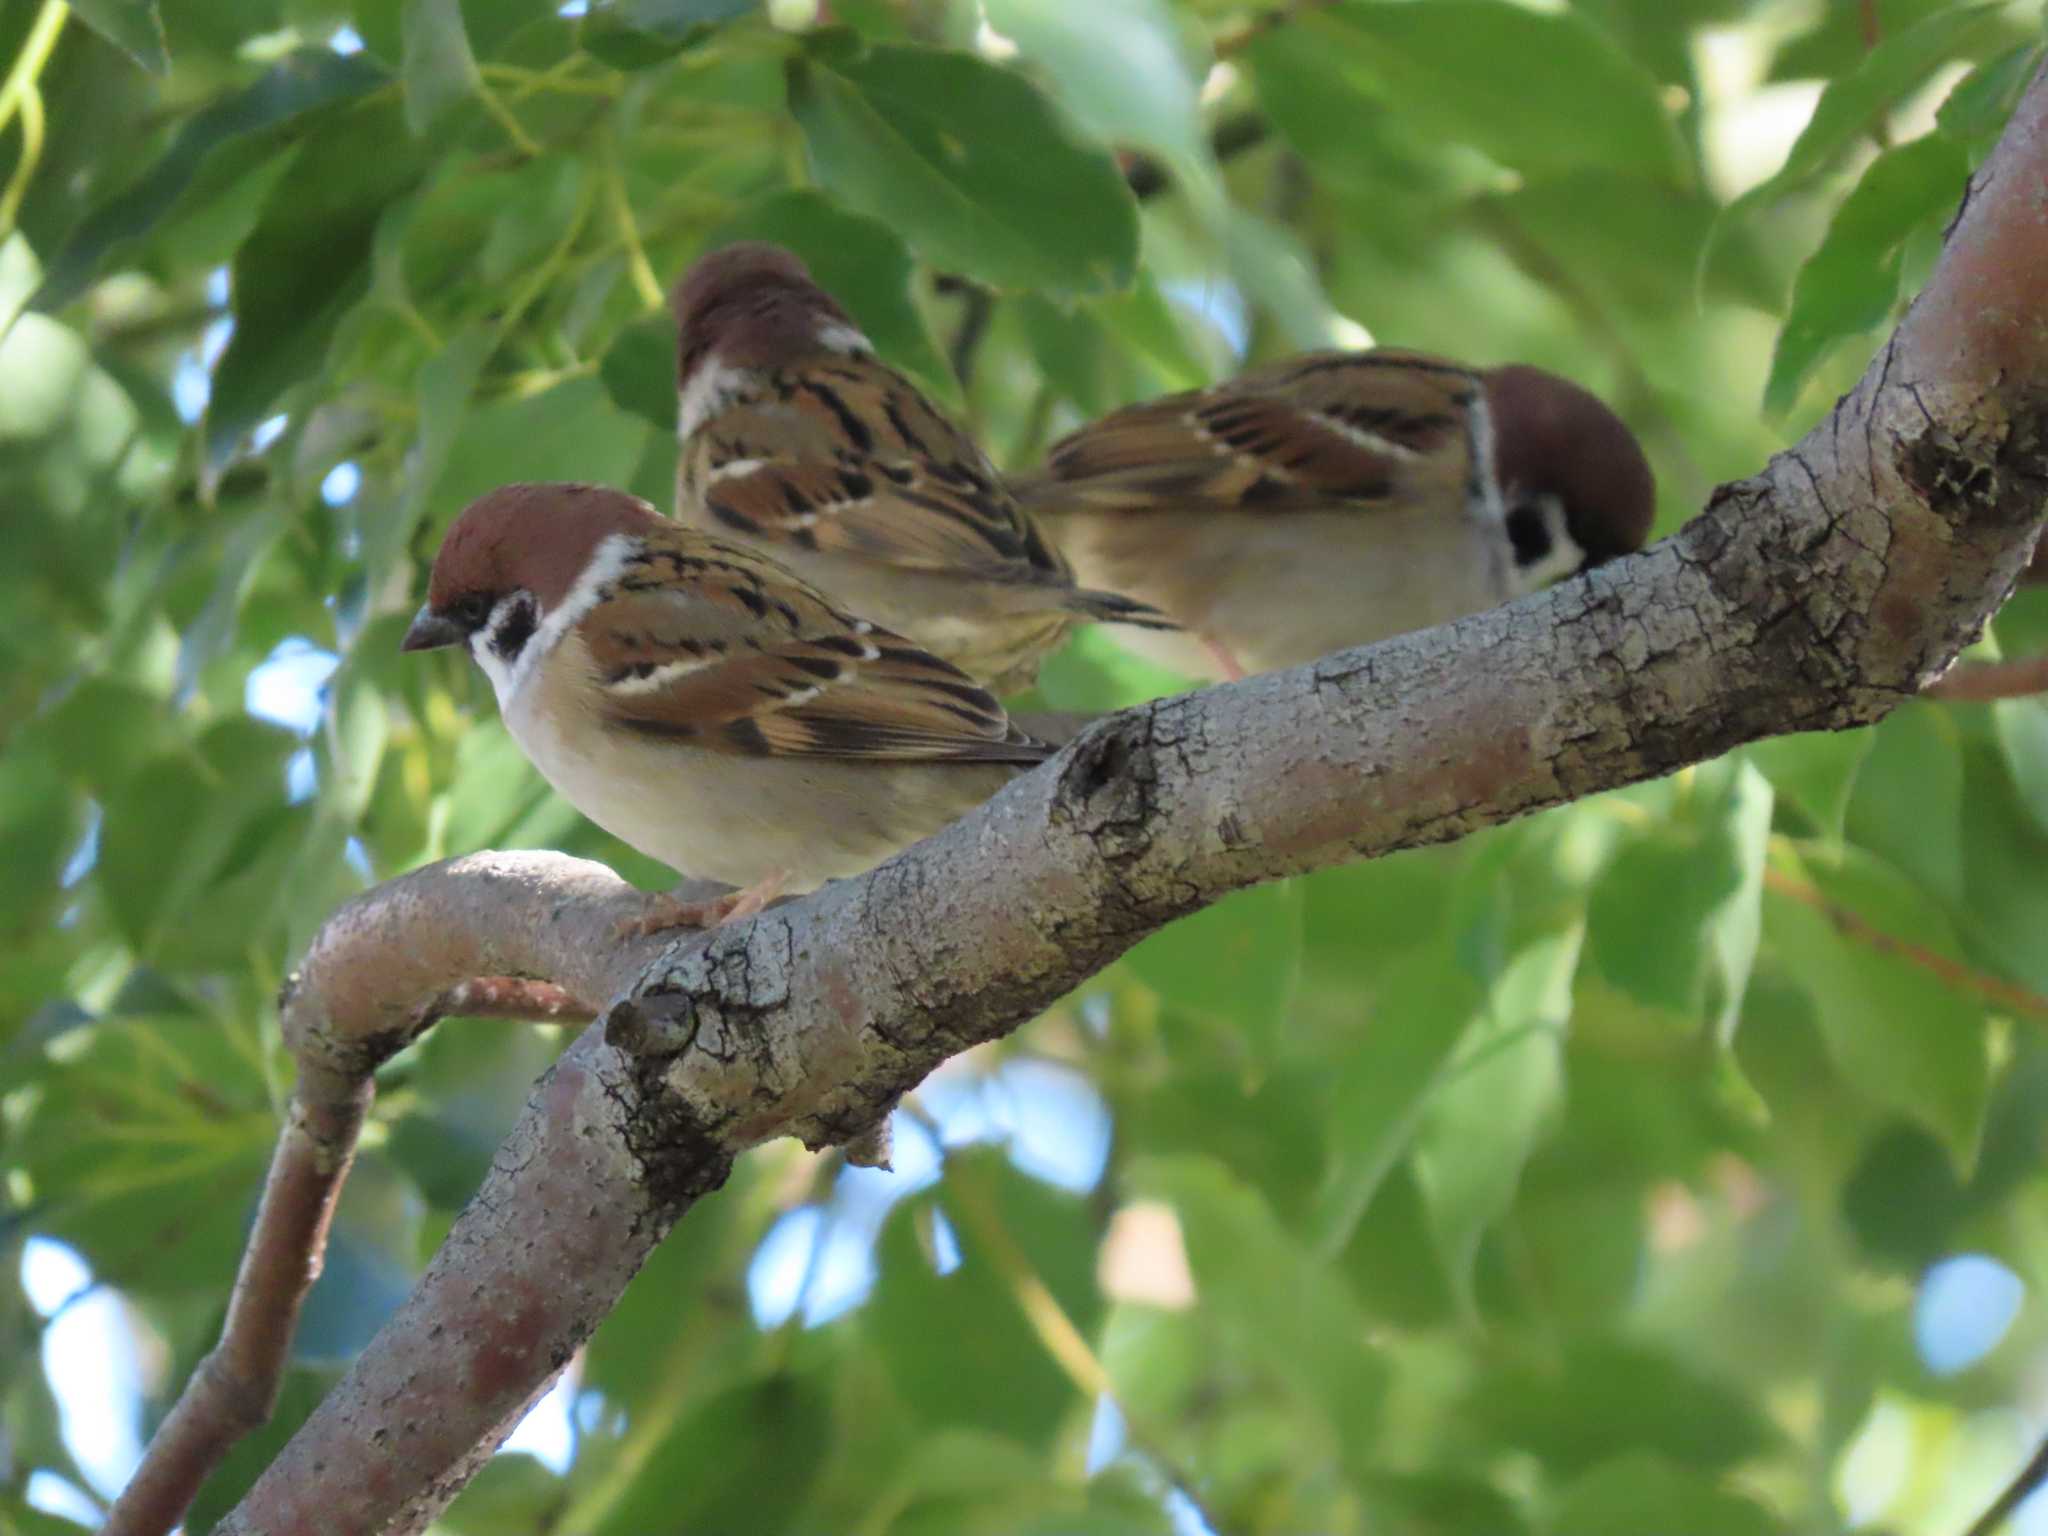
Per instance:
(704,641)
(1326,428)
(845,455)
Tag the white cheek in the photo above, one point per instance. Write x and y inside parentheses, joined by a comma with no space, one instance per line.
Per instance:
(844,338)
(711,388)
(1483,474)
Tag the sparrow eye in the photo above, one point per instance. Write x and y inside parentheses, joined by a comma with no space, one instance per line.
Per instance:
(471,611)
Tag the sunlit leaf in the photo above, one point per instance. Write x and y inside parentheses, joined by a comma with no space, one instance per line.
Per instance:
(969,162)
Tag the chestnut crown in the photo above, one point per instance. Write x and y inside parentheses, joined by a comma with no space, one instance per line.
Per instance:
(531,538)
(753,303)
(1554,438)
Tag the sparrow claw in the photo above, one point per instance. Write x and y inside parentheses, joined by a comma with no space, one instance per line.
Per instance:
(1232,671)
(666,910)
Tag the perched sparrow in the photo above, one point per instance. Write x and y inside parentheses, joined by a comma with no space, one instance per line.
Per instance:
(701,703)
(1338,498)
(796,439)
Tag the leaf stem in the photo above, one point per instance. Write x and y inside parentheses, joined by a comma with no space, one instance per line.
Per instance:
(528,82)
(1063,1341)
(503,115)
(20,94)
(1994,990)
(645,283)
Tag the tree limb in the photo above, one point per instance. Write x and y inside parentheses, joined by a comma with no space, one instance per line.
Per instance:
(1812,596)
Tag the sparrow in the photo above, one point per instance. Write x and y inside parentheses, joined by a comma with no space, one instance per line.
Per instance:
(701,703)
(796,439)
(1337,498)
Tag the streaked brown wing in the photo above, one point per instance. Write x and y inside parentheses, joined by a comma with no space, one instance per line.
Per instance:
(845,455)
(1326,428)
(774,670)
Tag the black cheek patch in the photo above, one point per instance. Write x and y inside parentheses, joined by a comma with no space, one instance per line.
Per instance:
(1529,533)
(509,638)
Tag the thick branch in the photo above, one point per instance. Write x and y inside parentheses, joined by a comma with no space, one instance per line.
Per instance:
(383,968)
(1813,596)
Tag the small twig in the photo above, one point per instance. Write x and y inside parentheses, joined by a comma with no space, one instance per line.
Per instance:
(1873,26)
(1981,682)
(977,304)
(338,1043)
(1952,973)
(21,93)
(1236,42)
(645,283)
(1063,1341)
(2029,1477)
(235,1387)
(1147,178)
(502,115)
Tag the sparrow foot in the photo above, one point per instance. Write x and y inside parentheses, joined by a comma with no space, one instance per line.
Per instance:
(1232,672)
(666,911)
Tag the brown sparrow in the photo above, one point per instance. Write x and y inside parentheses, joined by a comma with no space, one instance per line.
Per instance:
(701,703)
(1338,498)
(798,440)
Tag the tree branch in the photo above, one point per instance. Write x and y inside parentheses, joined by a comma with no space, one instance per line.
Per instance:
(1983,682)
(1812,596)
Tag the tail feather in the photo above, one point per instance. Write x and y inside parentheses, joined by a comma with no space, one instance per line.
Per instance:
(1114,608)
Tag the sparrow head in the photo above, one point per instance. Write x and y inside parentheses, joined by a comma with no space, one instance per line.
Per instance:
(1576,485)
(754,305)
(515,558)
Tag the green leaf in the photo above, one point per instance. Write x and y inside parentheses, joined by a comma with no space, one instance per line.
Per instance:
(1643,1492)
(1276,1302)
(511,1495)
(1983,99)
(2022,729)
(446,385)
(959,1347)
(1235,963)
(1907,807)
(1816,771)
(862,262)
(743,1461)
(2004,850)
(218,137)
(1485,1120)
(133,26)
(178,824)
(639,370)
(438,70)
(1542,92)
(148,1146)
(1424,1007)
(1145,322)
(1896,1029)
(1121,73)
(1277,273)
(970,162)
(1852,102)
(537,438)
(638,34)
(306,264)
(1603,1395)
(1674,919)
(1849,285)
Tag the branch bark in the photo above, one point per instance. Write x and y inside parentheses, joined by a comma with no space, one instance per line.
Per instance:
(1813,596)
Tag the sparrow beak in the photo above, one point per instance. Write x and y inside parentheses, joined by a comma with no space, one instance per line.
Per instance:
(430,631)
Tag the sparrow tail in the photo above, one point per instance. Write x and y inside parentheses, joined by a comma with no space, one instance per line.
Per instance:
(1112,608)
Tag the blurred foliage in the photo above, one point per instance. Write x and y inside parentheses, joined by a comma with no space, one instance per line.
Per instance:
(1579,1178)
